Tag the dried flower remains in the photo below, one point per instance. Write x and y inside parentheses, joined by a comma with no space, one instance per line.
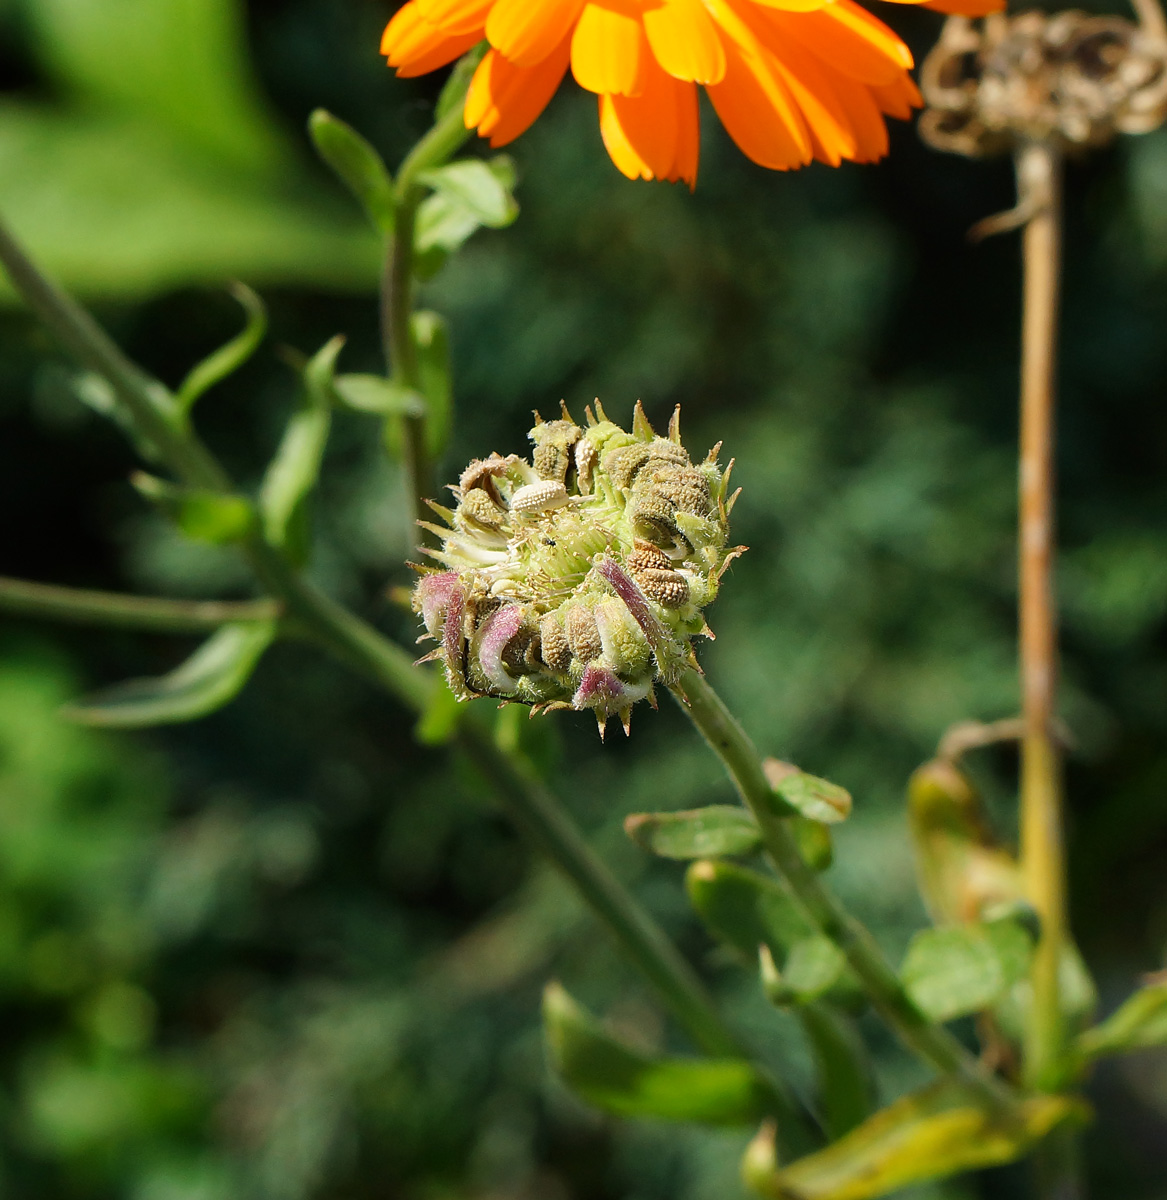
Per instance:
(578,579)
(1070,80)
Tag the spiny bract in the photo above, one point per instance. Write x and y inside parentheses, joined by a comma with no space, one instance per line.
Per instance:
(578,579)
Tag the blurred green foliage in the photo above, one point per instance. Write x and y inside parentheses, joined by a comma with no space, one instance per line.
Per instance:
(287,952)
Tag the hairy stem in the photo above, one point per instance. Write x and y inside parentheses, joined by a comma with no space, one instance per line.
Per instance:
(83,606)
(357,643)
(732,745)
(397,292)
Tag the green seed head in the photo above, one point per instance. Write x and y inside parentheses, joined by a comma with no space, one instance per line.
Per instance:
(578,579)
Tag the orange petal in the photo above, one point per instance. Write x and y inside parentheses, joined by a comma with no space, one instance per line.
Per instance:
(865,117)
(849,39)
(685,40)
(966,8)
(794,5)
(755,105)
(414,46)
(527,31)
(504,100)
(455,16)
(609,50)
(899,98)
(825,115)
(653,135)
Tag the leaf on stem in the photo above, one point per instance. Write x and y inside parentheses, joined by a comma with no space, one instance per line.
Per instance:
(931,1134)
(618,1079)
(378,396)
(960,969)
(745,909)
(358,166)
(1140,1022)
(212,676)
(814,966)
(808,795)
(467,195)
(712,832)
(230,357)
(291,476)
(215,518)
(845,1084)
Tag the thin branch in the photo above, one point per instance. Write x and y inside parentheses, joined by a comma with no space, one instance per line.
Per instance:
(84,606)
(934,1044)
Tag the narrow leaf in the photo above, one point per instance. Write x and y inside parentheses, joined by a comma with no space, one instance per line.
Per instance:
(291,475)
(807,795)
(212,676)
(1140,1022)
(378,396)
(700,833)
(927,1135)
(614,1077)
(845,1084)
(960,969)
(215,518)
(359,167)
(230,357)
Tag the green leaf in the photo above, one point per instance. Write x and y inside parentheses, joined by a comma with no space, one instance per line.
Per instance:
(378,396)
(960,969)
(813,966)
(620,1080)
(807,795)
(745,909)
(181,65)
(211,677)
(480,190)
(114,208)
(1140,1022)
(931,1134)
(230,357)
(215,518)
(432,339)
(845,1084)
(291,476)
(814,842)
(700,833)
(468,194)
(358,165)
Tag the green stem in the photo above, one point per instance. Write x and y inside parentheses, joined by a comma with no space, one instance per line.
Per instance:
(397,290)
(741,760)
(83,606)
(147,402)
(363,647)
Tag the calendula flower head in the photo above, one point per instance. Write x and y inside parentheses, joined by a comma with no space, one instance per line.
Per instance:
(579,578)
(791,80)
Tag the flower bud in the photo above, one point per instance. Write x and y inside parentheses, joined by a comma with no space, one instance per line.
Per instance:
(578,580)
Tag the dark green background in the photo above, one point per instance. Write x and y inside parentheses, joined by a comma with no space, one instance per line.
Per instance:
(285,952)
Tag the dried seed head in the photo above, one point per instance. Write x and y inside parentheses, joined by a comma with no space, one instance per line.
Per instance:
(1067,79)
(581,579)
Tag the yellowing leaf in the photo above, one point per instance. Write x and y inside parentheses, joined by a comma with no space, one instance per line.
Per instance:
(931,1134)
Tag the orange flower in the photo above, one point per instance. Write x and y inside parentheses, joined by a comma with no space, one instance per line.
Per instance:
(792,80)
